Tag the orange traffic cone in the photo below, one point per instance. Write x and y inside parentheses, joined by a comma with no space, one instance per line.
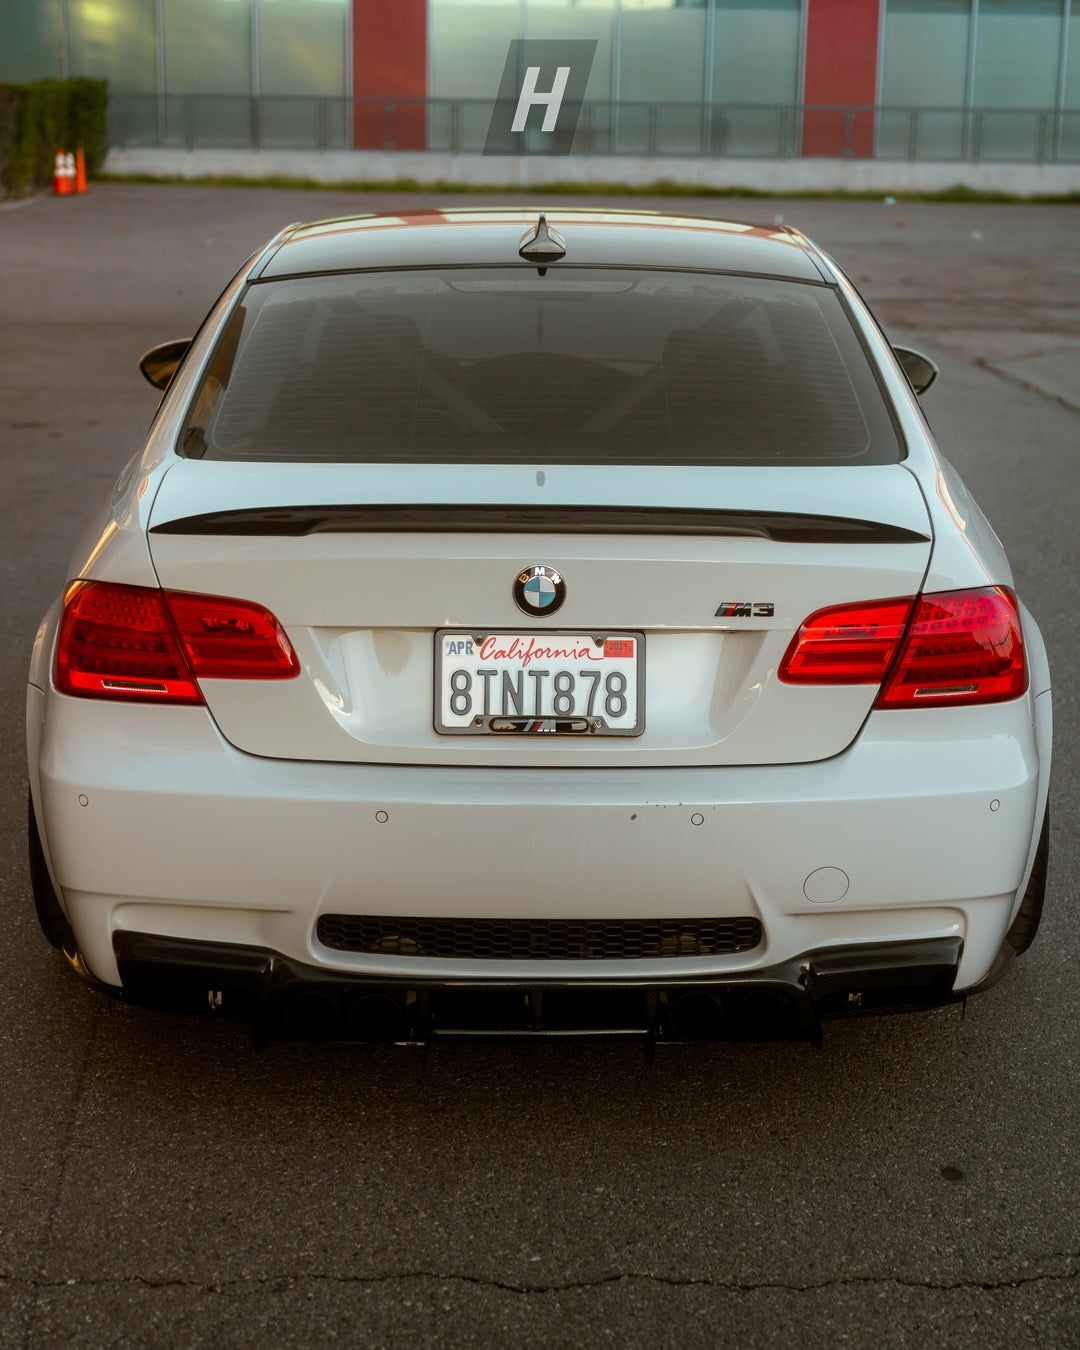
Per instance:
(80,171)
(62,184)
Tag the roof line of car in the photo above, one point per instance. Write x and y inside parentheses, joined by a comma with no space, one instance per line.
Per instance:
(475,265)
(263,259)
(812,252)
(526,210)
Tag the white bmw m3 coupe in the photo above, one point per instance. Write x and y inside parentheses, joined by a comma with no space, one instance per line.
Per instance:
(536,626)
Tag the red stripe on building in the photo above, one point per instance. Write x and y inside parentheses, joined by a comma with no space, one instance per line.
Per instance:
(840,68)
(389,41)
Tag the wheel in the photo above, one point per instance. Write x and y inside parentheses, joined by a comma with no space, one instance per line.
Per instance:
(1026,924)
(50,916)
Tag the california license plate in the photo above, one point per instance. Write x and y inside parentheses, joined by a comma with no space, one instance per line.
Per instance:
(519,684)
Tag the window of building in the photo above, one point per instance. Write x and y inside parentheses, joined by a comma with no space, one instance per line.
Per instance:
(208,52)
(31,41)
(661,55)
(1068,131)
(924,78)
(115,42)
(468,43)
(301,63)
(1017,47)
(756,49)
(118,42)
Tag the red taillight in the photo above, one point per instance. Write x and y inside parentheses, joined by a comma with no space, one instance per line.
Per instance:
(118,642)
(139,643)
(957,647)
(846,644)
(962,647)
(231,639)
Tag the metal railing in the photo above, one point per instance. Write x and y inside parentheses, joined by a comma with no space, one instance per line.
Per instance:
(647,130)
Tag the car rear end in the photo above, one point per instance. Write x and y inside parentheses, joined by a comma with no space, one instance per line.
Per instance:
(479,648)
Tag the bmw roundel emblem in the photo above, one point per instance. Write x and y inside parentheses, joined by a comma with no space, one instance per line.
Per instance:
(539,590)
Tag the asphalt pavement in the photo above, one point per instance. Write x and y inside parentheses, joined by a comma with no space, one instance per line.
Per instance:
(914,1183)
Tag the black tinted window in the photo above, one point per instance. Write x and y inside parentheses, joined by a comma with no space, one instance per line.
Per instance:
(505,366)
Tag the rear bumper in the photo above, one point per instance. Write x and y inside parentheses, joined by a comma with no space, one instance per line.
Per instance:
(153,824)
(786,1001)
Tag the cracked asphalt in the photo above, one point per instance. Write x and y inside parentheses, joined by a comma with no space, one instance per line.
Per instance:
(914,1183)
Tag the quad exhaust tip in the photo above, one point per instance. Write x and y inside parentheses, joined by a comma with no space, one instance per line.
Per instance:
(697,1016)
(374,1017)
(311,1016)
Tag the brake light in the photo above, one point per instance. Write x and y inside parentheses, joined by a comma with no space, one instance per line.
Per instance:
(846,644)
(139,643)
(118,642)
(962,647)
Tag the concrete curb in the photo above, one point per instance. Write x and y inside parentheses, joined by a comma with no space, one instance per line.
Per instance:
(762,175)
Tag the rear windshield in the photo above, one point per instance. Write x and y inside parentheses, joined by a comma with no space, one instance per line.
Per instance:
(580,366)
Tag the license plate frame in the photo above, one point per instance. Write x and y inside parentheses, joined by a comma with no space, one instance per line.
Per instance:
(482,725)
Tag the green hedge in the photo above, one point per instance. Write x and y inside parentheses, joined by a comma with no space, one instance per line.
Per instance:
(38,119)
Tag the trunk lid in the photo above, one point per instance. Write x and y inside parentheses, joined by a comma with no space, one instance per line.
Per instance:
(364,563)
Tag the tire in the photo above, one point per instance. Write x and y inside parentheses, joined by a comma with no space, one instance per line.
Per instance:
(1026,924)
(50,916)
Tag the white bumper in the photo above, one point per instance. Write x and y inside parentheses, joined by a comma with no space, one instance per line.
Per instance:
(153,823)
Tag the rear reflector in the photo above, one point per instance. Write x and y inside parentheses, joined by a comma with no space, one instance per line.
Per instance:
(141,644)
(846,644)
(962,647)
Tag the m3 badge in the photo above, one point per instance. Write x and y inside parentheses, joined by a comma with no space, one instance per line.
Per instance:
(745,609)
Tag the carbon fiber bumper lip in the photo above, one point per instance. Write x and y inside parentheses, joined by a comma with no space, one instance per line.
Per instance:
(843,981)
